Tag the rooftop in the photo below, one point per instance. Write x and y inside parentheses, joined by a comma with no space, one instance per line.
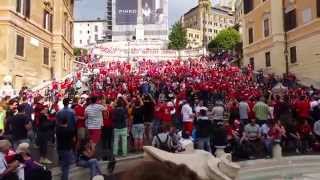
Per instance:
(217,9)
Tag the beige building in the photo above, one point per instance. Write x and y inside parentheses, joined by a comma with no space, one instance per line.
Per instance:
(217,19)
(283,36)
(36,38)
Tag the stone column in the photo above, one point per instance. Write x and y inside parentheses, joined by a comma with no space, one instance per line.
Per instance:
(139,27)
(277,151)
(277,26)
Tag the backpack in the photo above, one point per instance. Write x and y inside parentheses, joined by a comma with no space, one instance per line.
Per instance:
(164,145)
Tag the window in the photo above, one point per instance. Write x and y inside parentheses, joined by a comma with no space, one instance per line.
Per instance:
(251,61)
(23,7)
(250,35)
(96,37)
(266,27)
(80,41)
(80,32)
(268,59)
(290,20)
(95,28)
(88,32)
(247,6)
(318,7)
(293,54)
(210,30)
(47,20)
(70,32)
(20,46)
(46,56)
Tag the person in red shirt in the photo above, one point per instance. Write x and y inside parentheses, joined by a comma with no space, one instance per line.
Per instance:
(107,129)
(166,114)
(303,108)
(79,110)
(305,134)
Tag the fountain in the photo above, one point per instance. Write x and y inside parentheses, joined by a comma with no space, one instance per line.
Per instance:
(207,166)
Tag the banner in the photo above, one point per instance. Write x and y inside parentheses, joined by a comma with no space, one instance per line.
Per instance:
(153,12)
(126,12)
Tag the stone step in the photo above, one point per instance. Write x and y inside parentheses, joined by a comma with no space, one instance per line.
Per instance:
(79,173)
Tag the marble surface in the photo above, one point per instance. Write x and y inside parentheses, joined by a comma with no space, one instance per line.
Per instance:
(289,168)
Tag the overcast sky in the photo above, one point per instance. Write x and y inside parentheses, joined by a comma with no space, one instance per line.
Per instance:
(92,9)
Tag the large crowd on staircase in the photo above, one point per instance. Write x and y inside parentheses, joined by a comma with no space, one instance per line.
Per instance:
(120,107)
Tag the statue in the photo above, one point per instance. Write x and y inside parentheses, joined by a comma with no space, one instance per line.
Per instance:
(7,88)
(203,163)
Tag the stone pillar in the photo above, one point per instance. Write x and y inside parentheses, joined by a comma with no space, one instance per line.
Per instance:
(139,27)
(219,151)
(277,26)
(277,151)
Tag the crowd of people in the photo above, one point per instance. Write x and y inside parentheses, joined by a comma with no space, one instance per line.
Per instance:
(123,106)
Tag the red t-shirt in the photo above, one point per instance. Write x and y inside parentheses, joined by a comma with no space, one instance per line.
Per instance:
(304,129)
(303,109)
(166,116)
(79,111)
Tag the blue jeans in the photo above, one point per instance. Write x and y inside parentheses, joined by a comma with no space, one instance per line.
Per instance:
(93,164)
(204,144)
(65,160)
(268,145)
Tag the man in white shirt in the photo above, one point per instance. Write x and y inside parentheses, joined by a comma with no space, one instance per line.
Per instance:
(200,107)
(187,118)
(94,119)
(243,111)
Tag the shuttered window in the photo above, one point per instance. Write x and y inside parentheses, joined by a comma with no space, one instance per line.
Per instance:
(247,6)
(20,46)
(250,35)
(46,56)
(293,54)
(290,20)
(268,59)
(23,7)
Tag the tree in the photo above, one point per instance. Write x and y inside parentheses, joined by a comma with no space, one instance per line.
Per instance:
(178,37)
(227,39)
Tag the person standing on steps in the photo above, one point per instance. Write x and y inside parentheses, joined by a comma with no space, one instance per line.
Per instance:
(65,144)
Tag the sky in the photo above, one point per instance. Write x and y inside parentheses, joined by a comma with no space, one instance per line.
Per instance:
(92,9)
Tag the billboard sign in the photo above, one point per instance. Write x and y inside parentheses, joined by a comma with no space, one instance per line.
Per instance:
(126,12)
(153,12)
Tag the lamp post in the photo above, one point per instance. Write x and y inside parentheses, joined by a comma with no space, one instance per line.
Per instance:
(286,52)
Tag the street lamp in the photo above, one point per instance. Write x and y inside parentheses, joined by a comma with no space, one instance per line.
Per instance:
(286,52)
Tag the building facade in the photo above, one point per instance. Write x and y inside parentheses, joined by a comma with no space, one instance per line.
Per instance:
(283,36)
(37,40)
(218,19)
(88,32)
(108,23)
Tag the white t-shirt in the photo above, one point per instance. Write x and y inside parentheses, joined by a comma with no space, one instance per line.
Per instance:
(94,114)
(187,113)
(199,108)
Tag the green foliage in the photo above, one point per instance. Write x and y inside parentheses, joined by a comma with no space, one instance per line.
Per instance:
(79,51)
(178,37)
(227,39)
